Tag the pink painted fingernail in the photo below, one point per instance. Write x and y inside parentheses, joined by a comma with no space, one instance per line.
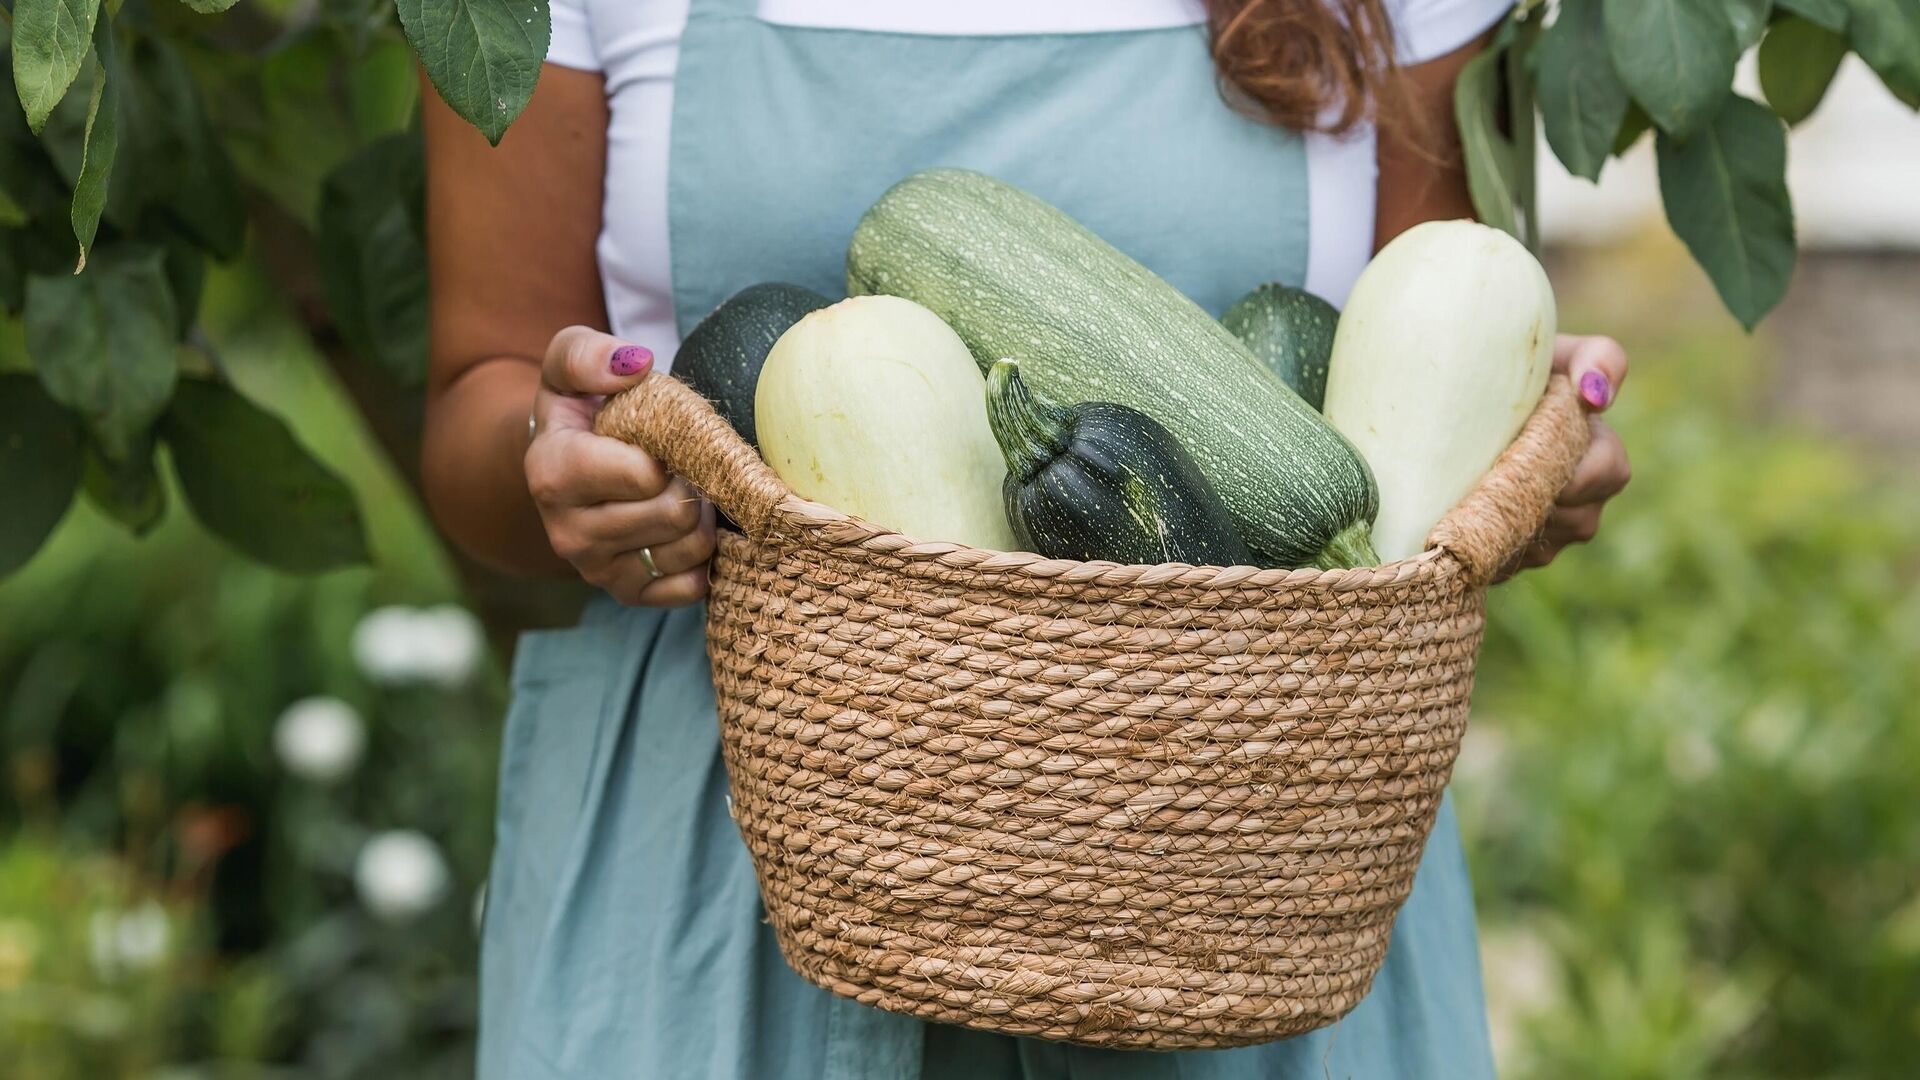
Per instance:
(630,359)
(1595,388)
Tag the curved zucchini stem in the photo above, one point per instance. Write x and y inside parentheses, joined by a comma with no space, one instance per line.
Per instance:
(1351,546)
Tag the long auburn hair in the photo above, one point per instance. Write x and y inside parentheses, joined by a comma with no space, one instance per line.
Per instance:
(1307,65)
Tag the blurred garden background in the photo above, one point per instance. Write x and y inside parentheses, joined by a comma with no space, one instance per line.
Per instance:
(245,815)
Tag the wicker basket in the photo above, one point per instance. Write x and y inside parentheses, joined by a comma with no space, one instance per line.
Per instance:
(1137,806)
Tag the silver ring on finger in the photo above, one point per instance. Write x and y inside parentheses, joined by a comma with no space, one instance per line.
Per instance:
(646,560)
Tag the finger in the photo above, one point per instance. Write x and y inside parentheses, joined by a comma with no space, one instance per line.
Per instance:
(568,469)
(675,590)
(583,362)
(1572,525)
(627,526)
(1596,365)
(1602,473)
(673,557)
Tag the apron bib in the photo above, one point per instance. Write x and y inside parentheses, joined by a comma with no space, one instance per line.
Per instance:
(624,933)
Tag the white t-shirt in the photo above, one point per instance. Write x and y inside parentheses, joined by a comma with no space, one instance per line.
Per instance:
(636,45)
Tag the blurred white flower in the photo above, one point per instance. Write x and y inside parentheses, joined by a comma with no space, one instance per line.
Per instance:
(320,739)
(441,645)
(128,941)
(400,874)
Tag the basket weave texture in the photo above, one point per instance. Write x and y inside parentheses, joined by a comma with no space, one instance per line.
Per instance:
(1132,806)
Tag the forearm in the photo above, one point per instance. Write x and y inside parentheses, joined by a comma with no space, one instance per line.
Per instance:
(473,467)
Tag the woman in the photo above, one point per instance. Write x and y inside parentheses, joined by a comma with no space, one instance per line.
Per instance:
(678,150)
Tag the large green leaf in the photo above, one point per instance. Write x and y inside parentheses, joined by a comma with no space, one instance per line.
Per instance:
(129,491)
(209,7)
(102,140)
(1725,192)
(1831,14)
(373,263)
(1582,101)
(1886,34)
(172,161)
(50,39)
(482,55)
(39,466)
(103,343)
(253,485)
(1676,58)
(1492,171)
(1749,20)
(1797,63)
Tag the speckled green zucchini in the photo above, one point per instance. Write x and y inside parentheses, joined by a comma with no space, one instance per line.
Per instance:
(1017,278)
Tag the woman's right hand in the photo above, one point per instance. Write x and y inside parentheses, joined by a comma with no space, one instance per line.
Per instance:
(608,506)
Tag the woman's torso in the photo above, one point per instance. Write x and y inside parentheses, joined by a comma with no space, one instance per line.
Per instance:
(636,44)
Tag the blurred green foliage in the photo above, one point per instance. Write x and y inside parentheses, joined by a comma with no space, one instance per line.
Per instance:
(141,681)
(1689,787)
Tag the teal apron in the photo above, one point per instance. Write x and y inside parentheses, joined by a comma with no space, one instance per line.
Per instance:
(624,935)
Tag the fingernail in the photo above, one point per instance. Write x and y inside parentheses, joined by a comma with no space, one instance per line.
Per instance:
(630,359)
(1595,388)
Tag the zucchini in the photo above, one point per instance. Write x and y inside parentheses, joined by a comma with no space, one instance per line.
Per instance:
(1101,481)
(873,407)
(721,358)
(1017,278)
(1443,352)
(1291,331)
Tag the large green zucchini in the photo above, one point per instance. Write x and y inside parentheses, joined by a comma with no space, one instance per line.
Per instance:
(1017,278)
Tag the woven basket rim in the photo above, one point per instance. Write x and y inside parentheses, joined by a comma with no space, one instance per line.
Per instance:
(808,523)
(1492,523)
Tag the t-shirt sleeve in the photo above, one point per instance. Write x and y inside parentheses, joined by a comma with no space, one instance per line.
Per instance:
(572,42)
(1429,29)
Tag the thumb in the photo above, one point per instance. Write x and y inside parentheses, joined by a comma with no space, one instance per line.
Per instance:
(582,362)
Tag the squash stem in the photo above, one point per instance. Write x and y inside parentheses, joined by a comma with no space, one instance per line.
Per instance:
(1031,432)
(1351,546)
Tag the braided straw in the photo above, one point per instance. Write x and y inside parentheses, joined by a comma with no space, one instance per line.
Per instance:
(1136,806)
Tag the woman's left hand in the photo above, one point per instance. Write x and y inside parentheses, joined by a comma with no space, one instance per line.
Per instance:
(1597,366)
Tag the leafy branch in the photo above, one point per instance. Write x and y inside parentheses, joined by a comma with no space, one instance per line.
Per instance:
(1604,72)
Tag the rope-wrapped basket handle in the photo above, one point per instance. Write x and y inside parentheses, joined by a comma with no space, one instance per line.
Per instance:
(1504,512)
(669,420)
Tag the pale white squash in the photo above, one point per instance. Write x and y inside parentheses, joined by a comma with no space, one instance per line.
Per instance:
(1442,352)
(874,406)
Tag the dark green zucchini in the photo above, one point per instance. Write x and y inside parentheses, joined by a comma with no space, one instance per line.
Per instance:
(1291,331)
(1103,481)
(721,358)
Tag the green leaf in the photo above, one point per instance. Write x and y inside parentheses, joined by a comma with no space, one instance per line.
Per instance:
(172,161)
(1797,63)
(1582,101)
(186,267)
(1676,58)
(39,466)
(1831,14)
(50,39)
(103,343)
(1725,192)
(383,90)
(102,139)
(1886,34)
(253,485)
(483,56)
(209,7)
(128,491)
(372,261)
(1492,172)
(12,214)
(1635,124)
(1749,20)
